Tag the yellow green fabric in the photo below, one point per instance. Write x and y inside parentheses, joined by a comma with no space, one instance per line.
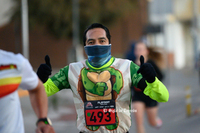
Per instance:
(157,91)
(109,63)
(50,87)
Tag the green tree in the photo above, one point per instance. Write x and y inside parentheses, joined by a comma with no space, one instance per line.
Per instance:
(56,15)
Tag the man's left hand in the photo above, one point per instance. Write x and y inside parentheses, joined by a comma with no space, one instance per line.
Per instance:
(44,128)
(147,71)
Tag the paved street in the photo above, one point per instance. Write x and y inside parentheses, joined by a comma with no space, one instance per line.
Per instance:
(173,113)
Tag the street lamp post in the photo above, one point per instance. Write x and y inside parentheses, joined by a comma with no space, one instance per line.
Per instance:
(75,22)
(75,53)
(25,29)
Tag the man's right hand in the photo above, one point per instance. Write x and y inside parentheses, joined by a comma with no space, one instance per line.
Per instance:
(44,70)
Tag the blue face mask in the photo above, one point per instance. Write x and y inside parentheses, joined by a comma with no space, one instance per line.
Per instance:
(98,55)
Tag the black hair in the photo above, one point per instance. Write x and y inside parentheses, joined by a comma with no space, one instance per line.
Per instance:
(96,25)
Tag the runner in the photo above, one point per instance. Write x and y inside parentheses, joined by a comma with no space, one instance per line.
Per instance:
(141,102)
(101,84)
(16,71)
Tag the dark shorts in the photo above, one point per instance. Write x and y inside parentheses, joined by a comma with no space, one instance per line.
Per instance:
(140,96)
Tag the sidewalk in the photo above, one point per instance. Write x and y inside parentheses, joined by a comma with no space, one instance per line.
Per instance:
(172,113)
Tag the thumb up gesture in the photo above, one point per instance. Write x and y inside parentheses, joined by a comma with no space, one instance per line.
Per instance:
(147,71)
(44,70)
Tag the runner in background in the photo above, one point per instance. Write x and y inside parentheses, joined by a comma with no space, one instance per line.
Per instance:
(141,102)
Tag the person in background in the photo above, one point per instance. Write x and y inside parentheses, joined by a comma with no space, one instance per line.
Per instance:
(16,72)
(101,84)
(130,54)
(141,102)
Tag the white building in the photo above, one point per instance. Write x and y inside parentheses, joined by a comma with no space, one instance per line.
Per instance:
(179,21)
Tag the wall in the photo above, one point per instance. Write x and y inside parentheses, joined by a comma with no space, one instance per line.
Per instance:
(41,42)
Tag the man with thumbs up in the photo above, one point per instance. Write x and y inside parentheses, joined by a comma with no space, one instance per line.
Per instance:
(99,110)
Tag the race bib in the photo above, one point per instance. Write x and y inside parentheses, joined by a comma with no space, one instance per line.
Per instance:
(100,113)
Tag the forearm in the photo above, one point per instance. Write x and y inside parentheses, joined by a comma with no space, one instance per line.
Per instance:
(39,100)
(157,91)
(50,87)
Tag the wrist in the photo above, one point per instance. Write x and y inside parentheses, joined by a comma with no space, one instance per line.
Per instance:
(151,79)
(46,121)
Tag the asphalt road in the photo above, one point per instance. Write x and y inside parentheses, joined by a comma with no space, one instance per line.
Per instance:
(173,113)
